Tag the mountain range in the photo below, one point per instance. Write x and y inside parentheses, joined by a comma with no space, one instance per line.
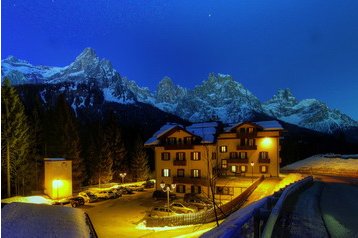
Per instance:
(219,97)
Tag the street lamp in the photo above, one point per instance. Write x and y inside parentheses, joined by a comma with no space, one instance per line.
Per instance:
(252,171)
(122,176)
(167,190)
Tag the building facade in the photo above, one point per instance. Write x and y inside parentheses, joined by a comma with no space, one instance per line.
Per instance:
(201,156)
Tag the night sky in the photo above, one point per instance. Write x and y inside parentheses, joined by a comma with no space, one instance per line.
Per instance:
(308,46)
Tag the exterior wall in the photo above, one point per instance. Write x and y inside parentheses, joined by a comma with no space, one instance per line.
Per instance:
(189,164)
(58,178)
(265,141)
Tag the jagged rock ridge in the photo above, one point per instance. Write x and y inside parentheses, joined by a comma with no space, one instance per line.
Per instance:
(218,97)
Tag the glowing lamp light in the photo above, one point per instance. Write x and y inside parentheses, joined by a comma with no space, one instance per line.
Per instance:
(162,184)
(56,186)
(267,142)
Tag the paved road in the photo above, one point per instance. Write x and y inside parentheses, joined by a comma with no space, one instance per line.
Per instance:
(325,209)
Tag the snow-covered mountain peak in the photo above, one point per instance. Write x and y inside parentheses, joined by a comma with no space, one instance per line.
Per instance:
(87,54)
(168,92)
(284,96)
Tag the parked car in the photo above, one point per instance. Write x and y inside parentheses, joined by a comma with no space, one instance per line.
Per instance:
(161,212)
(161,195)
(77,201)
(118,192)
(139,188)
(189,196)
(182,207)
(126,190)
(88,196)
(148,184)
(105,194)
(200,204)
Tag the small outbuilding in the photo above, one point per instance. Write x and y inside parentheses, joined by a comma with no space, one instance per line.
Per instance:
(58,177)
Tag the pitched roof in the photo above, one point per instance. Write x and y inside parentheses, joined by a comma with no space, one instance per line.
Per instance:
(265,125)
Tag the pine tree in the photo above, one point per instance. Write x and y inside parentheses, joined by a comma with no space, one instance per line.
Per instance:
(139,165)
(116,146)
(104,167)
(15,139)
(66,142)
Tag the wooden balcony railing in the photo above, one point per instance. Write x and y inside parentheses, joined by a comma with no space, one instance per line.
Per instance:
(247,147)
(179,162)
(191,180)
(246,134)
(264,161)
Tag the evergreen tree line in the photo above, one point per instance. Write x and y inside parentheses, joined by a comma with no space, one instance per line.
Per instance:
(99,149)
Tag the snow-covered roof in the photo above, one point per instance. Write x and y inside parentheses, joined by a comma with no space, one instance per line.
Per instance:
(54,159)
(164,129)
(39,220)
(266,125)
(206,131)
(269,125)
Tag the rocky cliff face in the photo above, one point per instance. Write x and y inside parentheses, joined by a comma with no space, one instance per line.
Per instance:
(89,80)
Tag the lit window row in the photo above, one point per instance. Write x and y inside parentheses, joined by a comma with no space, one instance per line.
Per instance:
(182,155)
(195,173)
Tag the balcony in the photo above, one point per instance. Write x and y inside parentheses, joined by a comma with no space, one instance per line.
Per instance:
(246,134)
(179,162)
(239,160)
(191,180)
(246,147)
(264,161)
(178,147)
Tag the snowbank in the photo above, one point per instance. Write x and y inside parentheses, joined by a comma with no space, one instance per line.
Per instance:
(38,220)
(339,165)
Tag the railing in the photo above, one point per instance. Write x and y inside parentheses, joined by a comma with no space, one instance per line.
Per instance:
(239,160)
(192,180)
(178,147)
(179,162)
(246,147)
(246,134)
(204,216)
(264,160)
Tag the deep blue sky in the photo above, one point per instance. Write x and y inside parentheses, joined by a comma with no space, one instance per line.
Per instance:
(309,46)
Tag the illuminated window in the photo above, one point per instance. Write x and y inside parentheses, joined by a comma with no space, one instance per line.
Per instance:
(234,168)
(180,172)
(180,188)
(233,155)
(165,156)
(195,189)
(195,156)
(243,155)
(180,156)
(165,172)
(243,169)
(224,163)
(223,149)
(264,155)
(213,155)
(251,130)
(251,142)
(195,173)
(263,169)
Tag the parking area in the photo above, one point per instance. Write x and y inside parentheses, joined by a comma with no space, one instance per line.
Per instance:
(124,216)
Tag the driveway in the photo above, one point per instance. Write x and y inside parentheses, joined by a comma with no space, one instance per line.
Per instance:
(123,217)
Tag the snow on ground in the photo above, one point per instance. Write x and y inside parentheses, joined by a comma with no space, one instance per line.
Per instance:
(30,199)
(39,220)
(329,164)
